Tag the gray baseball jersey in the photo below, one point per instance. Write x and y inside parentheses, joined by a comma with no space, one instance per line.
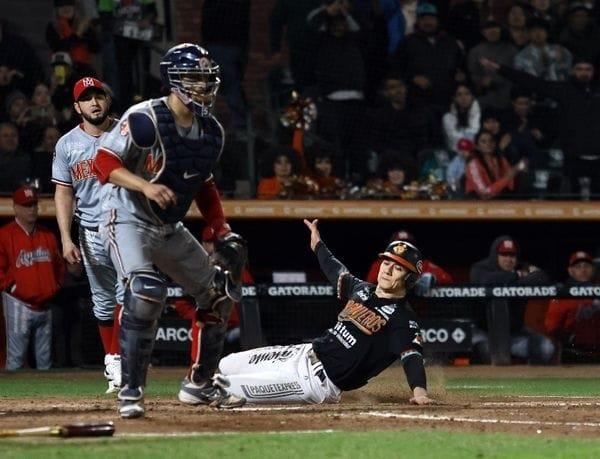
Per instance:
(135,237)
(132,205)
(72,166)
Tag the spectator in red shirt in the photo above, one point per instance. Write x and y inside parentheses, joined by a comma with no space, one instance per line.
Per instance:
(31,273)
(575,322)
(488,173)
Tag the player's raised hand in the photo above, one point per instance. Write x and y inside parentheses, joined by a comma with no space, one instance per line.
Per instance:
(315,236)
(71,252)
(161,194)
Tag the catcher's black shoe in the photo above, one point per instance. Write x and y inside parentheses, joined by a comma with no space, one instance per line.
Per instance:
(212,393)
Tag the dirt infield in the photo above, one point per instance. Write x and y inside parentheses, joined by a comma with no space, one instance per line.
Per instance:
(379,406)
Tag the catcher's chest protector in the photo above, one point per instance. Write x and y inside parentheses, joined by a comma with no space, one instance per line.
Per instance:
(188,162)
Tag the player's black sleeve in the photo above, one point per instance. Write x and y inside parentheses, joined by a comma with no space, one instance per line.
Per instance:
(406,343)
(335,271)
(415,371)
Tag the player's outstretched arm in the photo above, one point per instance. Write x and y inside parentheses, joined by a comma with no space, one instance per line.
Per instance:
(333,269)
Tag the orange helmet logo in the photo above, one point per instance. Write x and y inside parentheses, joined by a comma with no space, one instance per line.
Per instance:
(399,249)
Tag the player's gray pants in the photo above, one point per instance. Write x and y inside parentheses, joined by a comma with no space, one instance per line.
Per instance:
(279,374)
(20,323)
(107,290)
(138,247)
(135,246)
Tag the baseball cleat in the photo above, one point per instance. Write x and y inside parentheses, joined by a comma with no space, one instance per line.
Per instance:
(113,388)
(131,403)
(213,394)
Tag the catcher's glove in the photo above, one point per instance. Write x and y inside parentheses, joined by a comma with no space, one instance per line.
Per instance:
(231,254)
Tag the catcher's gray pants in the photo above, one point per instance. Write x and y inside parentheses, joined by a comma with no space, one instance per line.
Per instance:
(21,321)
(107,290)
(136,246)
(279,374)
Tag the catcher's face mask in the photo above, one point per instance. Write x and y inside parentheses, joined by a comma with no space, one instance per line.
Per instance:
(189,71)
(197,88)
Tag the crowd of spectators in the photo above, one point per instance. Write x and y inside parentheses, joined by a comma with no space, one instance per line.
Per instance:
(395,82)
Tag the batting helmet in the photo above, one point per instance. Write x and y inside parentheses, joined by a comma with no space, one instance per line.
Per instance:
(408,256)
(189,71)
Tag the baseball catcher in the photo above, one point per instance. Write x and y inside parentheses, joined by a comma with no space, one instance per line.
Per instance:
(156,162)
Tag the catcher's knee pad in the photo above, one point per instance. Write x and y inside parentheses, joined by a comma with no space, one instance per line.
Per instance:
(145,295)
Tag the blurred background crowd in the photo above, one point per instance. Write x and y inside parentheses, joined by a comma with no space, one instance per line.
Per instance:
(389,99)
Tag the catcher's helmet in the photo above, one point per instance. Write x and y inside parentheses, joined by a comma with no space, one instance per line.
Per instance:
(407,255)
(189,71)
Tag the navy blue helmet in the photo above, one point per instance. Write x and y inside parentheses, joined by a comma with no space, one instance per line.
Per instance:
(189,71)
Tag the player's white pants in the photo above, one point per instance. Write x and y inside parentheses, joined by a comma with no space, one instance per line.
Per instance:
(279,374)
(21,322)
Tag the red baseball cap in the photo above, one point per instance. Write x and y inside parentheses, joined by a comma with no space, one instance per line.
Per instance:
(465,145)
(25,196)
(507,246)
(87,83)
(579,256)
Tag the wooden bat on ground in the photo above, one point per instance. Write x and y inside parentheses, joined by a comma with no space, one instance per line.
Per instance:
(104,429)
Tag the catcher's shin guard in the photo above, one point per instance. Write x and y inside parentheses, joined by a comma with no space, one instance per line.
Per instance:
(137,342)
(212,339)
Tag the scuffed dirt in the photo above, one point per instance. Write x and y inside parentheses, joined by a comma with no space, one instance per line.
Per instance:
(382,405)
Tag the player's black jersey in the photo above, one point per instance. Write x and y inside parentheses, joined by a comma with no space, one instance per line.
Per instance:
(371,332)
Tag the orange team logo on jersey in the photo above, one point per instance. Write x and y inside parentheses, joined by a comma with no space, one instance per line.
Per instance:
(83,170)
(153,164)
(124,128)
(365,319)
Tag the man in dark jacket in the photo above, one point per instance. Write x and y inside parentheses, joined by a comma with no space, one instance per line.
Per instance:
(430,60)
(579,110)
(290,15)
(399,124)
(225,32)
(501,267)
